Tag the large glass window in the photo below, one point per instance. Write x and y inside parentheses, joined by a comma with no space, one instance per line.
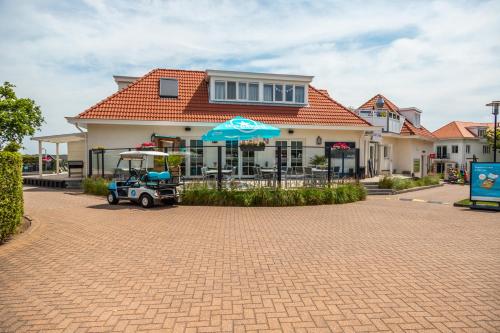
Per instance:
(278,92)
(268,92)
(196,157)
(232,154)
(296,154)
(289,93)
(253,92)
(220,90)
(299,94)
(242,90)
(248,162)
(231,90)
(284,153)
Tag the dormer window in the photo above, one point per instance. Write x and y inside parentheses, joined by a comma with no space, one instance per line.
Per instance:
(257,88)
(299,94)
(253,92)
(481,132)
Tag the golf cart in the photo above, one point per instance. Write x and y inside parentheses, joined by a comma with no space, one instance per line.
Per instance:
(145,179)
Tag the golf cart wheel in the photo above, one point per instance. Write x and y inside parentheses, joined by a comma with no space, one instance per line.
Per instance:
(112,199)
(146,201)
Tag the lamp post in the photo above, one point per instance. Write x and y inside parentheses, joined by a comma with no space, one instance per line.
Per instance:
(494,110)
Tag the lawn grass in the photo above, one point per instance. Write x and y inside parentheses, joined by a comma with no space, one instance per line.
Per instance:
(467,202)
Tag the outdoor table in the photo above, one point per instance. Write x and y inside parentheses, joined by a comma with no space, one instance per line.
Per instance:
(214,172)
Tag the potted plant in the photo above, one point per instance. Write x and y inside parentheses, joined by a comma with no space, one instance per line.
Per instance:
(318,160)
(174,164)
(252,146)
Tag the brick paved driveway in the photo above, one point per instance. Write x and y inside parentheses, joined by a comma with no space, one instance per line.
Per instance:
(379,265)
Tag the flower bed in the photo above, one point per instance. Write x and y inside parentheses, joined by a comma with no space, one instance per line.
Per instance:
(406,183)
(200,195)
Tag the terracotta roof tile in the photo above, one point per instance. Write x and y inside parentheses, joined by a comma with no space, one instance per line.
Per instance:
(458,129)
(140,101)
(408,128)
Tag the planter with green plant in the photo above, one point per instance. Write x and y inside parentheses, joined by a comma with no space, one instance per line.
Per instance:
(201,195)
(252,146)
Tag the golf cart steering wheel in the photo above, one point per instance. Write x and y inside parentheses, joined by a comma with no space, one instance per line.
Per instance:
(133,173)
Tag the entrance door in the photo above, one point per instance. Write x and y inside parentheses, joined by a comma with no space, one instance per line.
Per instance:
(373,159)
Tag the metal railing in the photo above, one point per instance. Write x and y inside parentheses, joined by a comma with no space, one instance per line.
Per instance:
(285,165)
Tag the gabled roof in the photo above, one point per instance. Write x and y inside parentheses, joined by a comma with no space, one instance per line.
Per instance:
(141,101)
(459,130)
(408,128)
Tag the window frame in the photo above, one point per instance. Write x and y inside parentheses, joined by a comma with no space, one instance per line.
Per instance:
(454,149)
(215,90)
(235,90)
(303,93)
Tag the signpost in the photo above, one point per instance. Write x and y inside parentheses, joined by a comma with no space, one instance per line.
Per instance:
(485,184)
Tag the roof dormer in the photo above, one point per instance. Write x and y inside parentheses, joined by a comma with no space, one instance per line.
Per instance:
(232,87)
(412,114)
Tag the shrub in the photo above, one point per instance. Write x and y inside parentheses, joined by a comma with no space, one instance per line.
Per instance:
(201,195)
(11,193)
(97,186)
(406,183)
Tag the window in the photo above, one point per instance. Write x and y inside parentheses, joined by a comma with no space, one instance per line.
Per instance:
(253,92)
(242,90)
(231,90)
(486,149)
(481,132)
(268,92)
(296,154)
(289,93)
(196,157)
(454,149)
(386,152)
(278,92)
(299,94)
(220,90)
(467,149)
(284,153)
(232,154)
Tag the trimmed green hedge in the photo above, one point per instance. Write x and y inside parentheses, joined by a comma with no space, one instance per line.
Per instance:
(406,183)
(97,186)
(11,193)
(201,195)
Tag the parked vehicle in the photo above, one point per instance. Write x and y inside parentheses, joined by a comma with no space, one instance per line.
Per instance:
(145,179)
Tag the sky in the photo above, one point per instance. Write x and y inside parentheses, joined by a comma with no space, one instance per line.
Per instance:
(440,56)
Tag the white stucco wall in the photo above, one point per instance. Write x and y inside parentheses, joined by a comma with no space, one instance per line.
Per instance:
(405,150)
(462,158)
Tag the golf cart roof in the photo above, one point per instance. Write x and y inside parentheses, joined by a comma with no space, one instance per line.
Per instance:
(139,155)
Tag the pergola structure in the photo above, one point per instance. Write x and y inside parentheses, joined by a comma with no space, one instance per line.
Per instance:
(57,139)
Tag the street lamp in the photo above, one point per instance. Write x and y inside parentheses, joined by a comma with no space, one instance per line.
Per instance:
(494,110)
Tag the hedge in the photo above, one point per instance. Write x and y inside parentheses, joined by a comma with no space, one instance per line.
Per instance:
(11,193)
(201,195)
(405,183)
(97,186)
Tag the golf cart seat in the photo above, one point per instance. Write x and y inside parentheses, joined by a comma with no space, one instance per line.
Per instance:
(158,176)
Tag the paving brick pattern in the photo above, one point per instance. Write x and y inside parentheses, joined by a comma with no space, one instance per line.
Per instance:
(374,266)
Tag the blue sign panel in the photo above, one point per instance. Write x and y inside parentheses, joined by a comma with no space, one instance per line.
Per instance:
(485,182)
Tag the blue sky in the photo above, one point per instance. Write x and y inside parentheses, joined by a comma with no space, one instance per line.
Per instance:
(440,56)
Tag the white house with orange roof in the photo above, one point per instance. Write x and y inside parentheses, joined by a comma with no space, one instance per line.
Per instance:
(178,106)
(458,142)
(404,145)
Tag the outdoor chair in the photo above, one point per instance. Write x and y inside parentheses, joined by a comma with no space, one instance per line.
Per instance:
(308,176)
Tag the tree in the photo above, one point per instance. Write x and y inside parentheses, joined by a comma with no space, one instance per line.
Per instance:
(489,137)
(19,117)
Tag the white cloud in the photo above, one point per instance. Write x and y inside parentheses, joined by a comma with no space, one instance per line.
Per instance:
(441,56)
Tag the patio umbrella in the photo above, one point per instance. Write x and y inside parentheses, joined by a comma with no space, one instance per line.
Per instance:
(240,128)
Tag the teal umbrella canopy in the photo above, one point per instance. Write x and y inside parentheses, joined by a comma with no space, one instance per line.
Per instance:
(240,128)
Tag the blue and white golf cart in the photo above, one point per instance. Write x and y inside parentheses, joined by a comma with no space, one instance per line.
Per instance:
(145,179)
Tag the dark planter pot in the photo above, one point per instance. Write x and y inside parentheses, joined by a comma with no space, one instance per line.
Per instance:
(252,148)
